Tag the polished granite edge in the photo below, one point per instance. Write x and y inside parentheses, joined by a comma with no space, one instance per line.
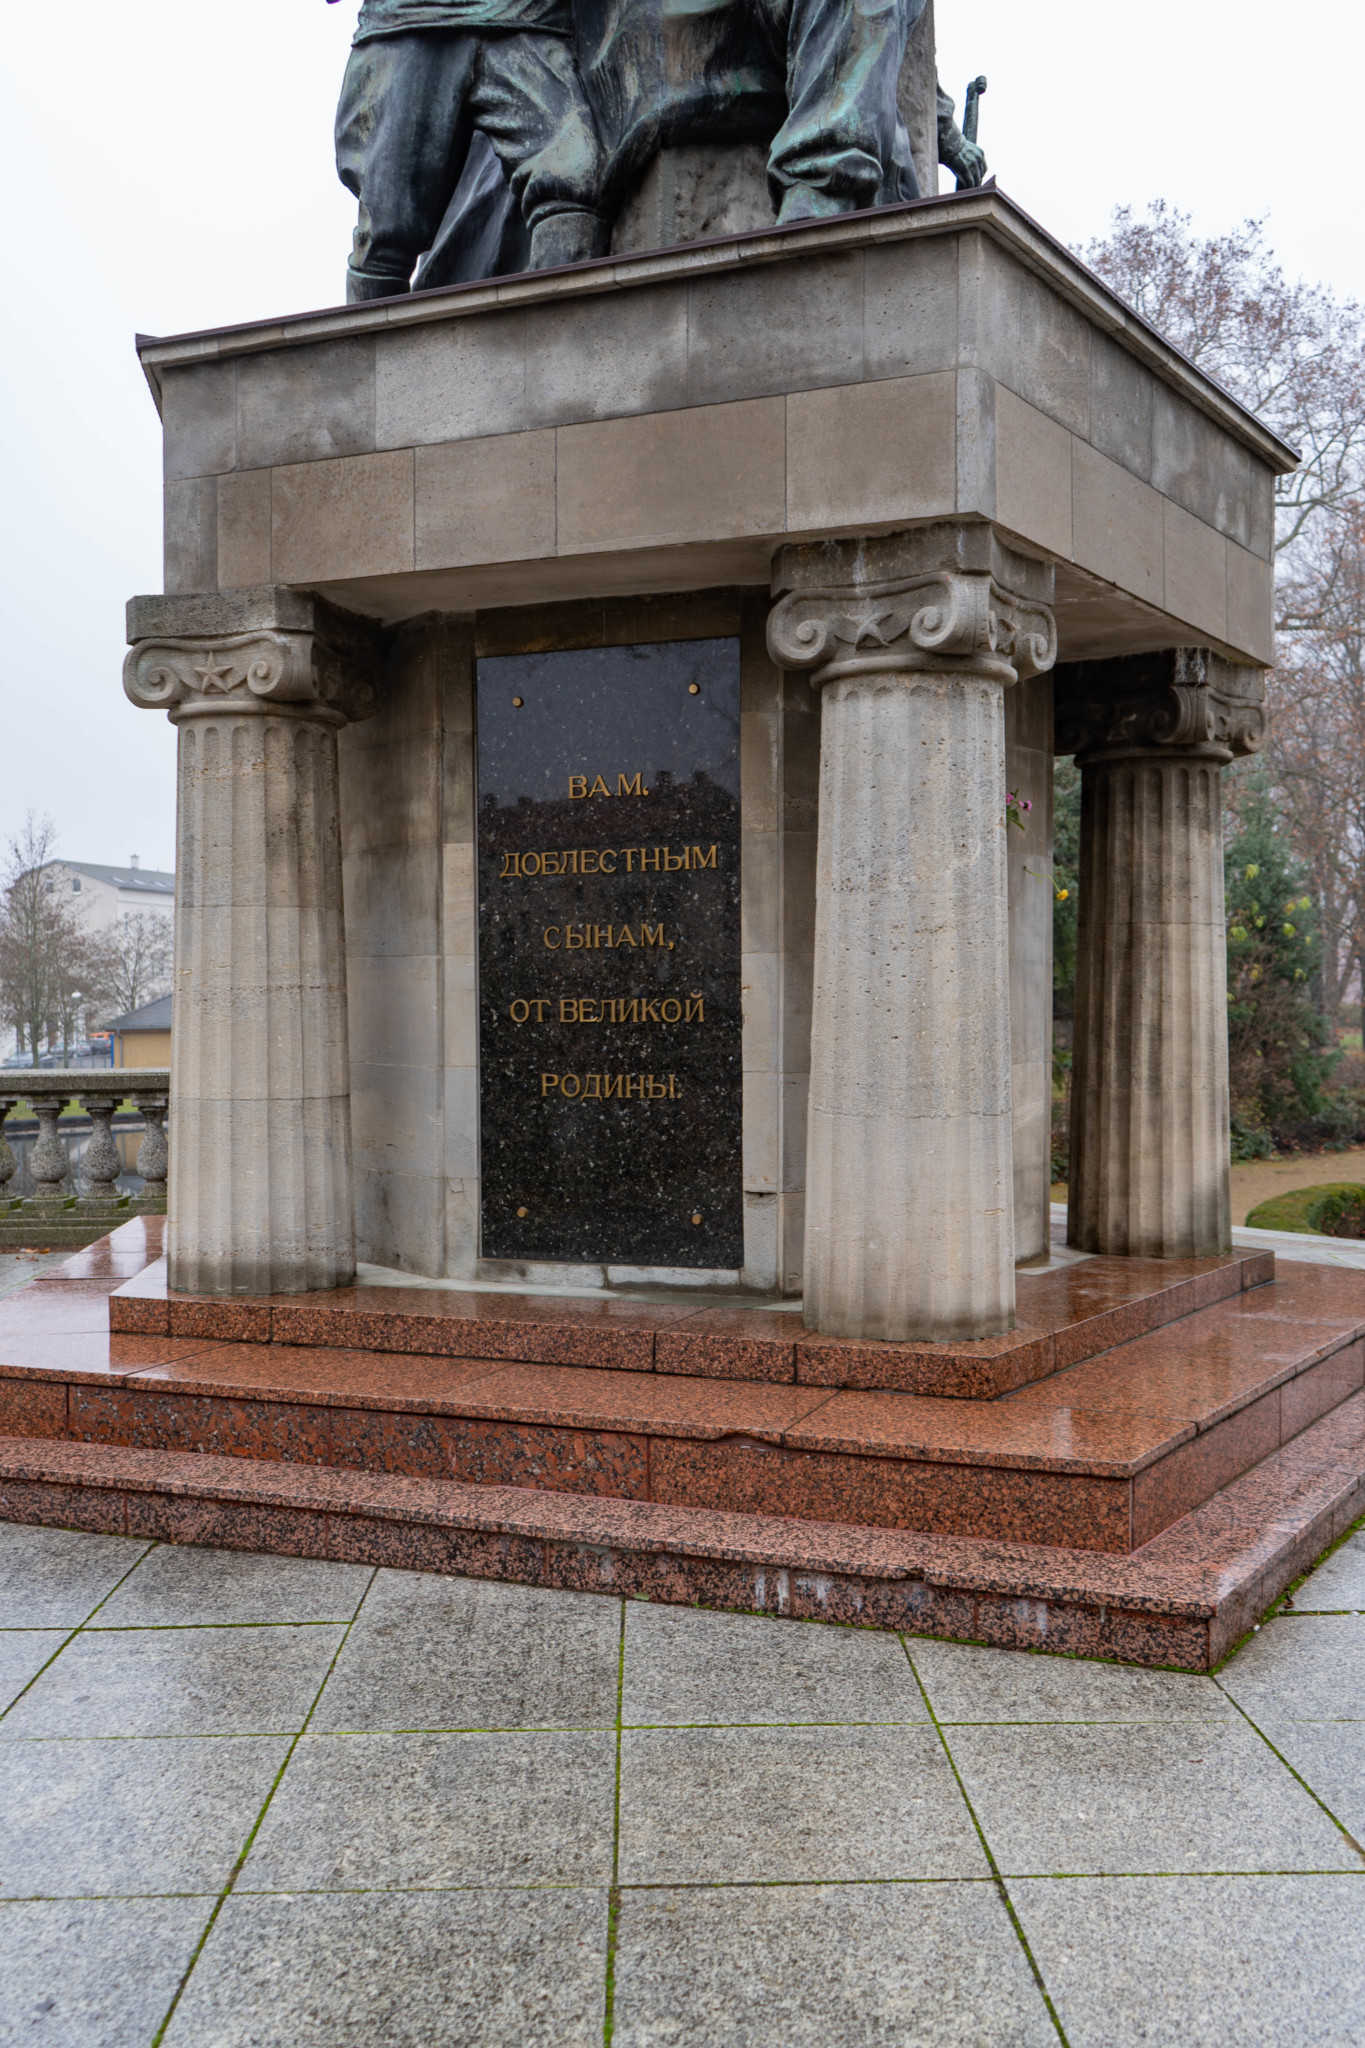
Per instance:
(1191,1570)
(1077,1312)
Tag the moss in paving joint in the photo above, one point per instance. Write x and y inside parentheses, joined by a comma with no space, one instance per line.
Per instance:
(1297,1775)
(79,1629)
(1002,1889)
(614,1894)
(237,1868)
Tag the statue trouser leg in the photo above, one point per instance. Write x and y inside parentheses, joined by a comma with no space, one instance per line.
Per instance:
(402,132)
(409,107)
(529,102)
(838,142)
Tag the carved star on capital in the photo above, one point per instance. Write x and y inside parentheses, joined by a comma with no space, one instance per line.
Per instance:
(214,675)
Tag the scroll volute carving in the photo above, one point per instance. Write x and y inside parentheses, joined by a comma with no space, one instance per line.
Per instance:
(936,623)
(1187,700)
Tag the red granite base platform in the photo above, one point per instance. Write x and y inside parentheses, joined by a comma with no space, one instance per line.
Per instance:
(1064,1316)
(1215,1447)
(1181,1602)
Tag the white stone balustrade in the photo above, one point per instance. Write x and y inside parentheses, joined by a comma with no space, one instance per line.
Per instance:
(100,1095)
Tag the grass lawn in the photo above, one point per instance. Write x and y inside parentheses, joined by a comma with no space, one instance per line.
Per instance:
(1262,1179)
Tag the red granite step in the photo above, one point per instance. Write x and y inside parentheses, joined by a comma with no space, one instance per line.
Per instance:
(1183,1600)
(1101,1456)
(1064,1316)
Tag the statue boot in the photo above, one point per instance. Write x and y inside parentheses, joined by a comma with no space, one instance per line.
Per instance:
(569,237)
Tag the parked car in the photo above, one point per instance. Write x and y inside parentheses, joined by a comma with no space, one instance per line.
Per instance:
(18,1059)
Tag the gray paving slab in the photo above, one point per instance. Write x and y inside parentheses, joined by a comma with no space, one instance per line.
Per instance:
(22,1655)
(432,1652)
(93,1973)
(18,1268)
(786,1805)
(1139,1797)
(55,1578)
(178,1681)
(1301,1667)
(176,1586)
(969,1684)
(1339,1582)
(101,1818)
(861,1966)
(374,1811)
(1201,1962)
(1330,1757)
(685,1667)
(402,1970)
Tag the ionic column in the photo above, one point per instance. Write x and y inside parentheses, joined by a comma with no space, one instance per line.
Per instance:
(913,640)
(257,683)
(1149,1087)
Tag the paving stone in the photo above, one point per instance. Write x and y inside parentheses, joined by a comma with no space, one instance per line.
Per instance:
(1201,1962)
(179,1586)
(93,1973)
(685,1667)
(785,1805)
(431,1652)
(1340,1582)
(864,1966)
(23,1654)
(55,1578)
(83,1818)
(373,1811)
(405,1970)
(178,1681)
(1330,1757)
(968,1684)
(1138,1797)
(1302,1667)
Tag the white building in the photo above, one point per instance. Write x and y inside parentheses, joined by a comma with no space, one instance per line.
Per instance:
(104,897)
(108,895)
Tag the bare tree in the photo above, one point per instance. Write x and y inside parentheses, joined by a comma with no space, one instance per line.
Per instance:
(135,961)
(51,967)
(1292,353)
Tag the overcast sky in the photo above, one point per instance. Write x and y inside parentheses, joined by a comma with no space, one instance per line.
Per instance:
(169,167)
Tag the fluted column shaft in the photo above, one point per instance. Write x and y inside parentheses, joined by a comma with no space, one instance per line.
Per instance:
(909,1197)
(260,1144)
(1149,1092)
(260,1198)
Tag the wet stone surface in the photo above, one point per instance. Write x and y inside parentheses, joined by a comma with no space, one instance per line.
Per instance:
(609,954)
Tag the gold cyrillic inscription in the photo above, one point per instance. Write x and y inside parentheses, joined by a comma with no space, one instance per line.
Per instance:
(605,860)
(614,1010)
(626,785)
(611,1087)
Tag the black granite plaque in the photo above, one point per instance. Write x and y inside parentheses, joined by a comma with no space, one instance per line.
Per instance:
(609,975)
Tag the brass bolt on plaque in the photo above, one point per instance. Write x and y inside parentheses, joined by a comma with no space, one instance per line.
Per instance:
(517,703)
(694,689)
(523,1212)
(697,1218)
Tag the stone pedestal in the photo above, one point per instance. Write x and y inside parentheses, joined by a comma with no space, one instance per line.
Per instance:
(258,683)
(913,639)
(1149,1091)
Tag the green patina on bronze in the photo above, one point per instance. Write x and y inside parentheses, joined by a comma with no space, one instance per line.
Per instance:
(486,136)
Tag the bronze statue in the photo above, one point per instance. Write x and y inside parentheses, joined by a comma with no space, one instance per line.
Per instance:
(488,136)
(424,77)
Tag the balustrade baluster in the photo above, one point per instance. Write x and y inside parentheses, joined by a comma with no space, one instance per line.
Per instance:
(49,1164)
(153,1155)
(102,1163)
(8,1163)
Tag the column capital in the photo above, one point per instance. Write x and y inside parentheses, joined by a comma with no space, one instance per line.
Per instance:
(251,651)
(1182,700)
(938,600)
